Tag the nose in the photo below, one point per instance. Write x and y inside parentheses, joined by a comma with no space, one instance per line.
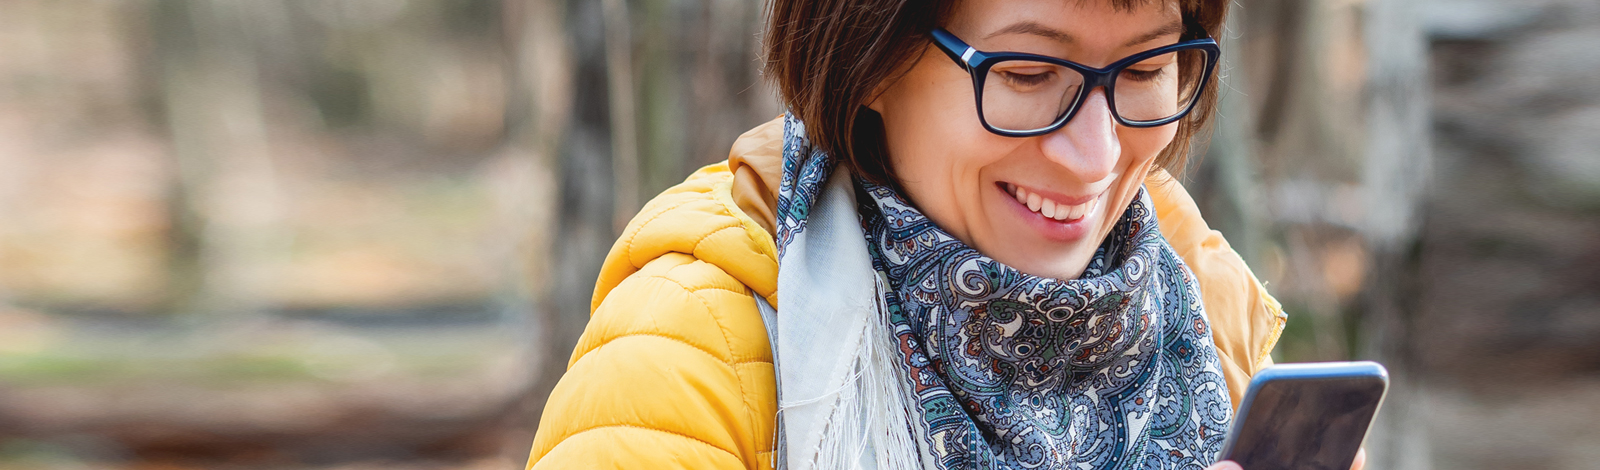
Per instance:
(1087,146)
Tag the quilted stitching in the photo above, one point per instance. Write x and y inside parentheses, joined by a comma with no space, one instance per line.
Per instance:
(679,434)
(645,248)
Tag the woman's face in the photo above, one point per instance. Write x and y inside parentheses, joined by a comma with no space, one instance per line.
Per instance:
(966,179)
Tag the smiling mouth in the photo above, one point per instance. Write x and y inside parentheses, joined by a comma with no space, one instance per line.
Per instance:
(1047,207)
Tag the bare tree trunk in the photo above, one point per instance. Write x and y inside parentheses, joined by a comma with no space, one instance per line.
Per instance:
(1229,172)
(1394,176)
(619,120)
(624,129)
(538,101)
(1267,181)
(226,204)
(700,84)
(566,119)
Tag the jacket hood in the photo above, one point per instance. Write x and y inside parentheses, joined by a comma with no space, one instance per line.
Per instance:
(720,216)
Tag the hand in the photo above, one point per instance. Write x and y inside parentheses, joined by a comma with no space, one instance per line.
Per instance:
(1358,464)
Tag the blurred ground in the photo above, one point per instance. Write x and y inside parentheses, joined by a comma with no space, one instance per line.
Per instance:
(285,394)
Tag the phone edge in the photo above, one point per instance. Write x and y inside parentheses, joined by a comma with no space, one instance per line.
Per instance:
(1308,370)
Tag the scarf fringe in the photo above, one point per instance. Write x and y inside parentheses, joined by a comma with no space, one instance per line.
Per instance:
(874,411)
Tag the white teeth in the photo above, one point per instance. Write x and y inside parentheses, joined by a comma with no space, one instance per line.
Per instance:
(1080,210)
(1049,208)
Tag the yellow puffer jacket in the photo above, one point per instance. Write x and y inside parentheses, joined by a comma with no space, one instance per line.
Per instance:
(674,369)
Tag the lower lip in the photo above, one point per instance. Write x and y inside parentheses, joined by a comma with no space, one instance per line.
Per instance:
(1051,229)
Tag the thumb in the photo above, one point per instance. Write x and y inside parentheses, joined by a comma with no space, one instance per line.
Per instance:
(1225,465)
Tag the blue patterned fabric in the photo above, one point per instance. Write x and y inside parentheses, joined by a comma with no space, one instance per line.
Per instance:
(1116,369)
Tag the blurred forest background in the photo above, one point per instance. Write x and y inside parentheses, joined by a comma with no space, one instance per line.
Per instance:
(363,234)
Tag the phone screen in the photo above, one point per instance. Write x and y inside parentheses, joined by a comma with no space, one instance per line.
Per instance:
(1312,424)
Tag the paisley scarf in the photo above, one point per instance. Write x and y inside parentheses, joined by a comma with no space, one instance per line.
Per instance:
(898,346)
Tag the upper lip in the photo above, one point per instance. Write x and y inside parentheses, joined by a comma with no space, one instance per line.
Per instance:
(1059,198)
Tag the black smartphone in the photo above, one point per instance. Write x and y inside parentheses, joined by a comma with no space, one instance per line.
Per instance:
(1311,416)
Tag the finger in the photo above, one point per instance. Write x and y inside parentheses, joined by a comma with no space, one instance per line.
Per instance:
(1361,459)
(1225,465)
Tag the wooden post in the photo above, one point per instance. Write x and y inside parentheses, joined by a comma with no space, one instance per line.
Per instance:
(620,86)
(559,48)
(226,204)
(1394,175)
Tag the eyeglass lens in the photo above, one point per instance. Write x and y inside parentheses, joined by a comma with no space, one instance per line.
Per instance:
(1024,95)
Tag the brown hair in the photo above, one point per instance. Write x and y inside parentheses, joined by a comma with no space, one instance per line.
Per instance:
(826,58)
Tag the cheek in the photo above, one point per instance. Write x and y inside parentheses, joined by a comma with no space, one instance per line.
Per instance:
(1140,146)
(931,126)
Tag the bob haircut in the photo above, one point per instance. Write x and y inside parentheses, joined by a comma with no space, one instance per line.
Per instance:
(827,57)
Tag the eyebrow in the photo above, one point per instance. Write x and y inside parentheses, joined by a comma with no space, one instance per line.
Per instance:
(1170,29)
(1029,27)
(1036,29)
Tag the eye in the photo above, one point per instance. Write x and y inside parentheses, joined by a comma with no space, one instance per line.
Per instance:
(1149,70)
(1142,75)
(1026,78)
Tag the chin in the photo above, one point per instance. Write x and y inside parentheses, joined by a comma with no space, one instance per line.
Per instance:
(1063,264)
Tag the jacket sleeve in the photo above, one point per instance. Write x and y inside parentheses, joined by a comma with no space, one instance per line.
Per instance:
(659,379)
(1245,320)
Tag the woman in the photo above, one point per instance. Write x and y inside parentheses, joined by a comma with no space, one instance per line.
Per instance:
(960,248)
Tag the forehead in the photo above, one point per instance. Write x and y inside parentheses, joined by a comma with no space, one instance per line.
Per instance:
(1091,17)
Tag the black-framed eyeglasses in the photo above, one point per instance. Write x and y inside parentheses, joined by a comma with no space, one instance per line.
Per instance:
(1024,95)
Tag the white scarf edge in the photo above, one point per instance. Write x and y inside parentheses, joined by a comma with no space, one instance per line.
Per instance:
(844,400)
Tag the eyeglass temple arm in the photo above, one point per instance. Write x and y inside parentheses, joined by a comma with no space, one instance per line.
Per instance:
(953,47)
